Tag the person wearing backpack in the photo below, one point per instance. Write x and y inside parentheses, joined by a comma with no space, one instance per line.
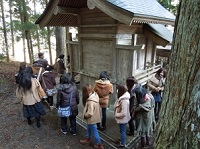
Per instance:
(68,95)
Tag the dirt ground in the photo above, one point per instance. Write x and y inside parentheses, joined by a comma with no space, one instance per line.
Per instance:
(17,134)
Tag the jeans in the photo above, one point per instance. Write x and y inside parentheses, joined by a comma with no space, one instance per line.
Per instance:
(92,130)
(103,118)
(122,128)
(72,120)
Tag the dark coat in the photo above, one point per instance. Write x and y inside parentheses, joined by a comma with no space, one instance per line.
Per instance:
(60,66)
(42,62)
(63,97)
(48,80)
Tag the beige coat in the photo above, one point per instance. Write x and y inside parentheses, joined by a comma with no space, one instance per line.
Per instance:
(121,109)
(155,82)
(30,97)
(91,110)
(103,89)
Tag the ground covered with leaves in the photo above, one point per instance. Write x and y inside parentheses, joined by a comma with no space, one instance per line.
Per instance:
(16,133)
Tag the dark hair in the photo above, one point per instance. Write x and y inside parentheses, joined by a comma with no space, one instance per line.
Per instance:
(40,54)
(159,71)
(140,93)
(22,67)
(86,90)
(104,75)
(66,79)
(25,83)
(121,90)
(29,70)
(61,56)
(130,81)
(49,68)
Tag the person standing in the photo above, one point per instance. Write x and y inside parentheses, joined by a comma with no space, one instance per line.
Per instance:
(91,114)
(103,88)
(27,92)
(60,66)
(143,114)
(132,85)
(121,112)
(41,61)
(156,86)
(48,82)
(66,90)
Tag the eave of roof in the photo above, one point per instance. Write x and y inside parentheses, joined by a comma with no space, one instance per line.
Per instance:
(113,8)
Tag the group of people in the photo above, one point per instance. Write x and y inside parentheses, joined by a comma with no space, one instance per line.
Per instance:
(134,105)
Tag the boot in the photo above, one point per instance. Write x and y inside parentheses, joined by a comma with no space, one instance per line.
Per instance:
(98,146)
(29,121)
(147,141)
(85,141)
(143,141)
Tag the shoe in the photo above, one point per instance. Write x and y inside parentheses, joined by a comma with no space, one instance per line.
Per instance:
(130,133)
(29,122)
(85,141)
(73,133)
(64,132)
(121,146)
(51,108)
(98,146)
(101,128)
(38,125)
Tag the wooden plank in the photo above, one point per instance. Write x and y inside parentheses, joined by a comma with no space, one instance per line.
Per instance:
(91,36)
(98,30)
(66,10)
(128,47)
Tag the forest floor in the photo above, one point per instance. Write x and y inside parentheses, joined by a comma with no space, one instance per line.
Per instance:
(16,133)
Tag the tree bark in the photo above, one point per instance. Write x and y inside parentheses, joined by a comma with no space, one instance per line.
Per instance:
(60,41)
(49,44)
(5,32)
(11,28)
(179,124)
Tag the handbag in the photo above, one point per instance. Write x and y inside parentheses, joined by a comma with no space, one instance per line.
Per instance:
(49,92)
(65,111)
(41,92)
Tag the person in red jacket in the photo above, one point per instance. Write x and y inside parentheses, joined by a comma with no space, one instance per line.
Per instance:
(103,88)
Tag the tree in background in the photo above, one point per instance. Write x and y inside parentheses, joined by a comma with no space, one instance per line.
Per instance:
(4,30)
(171,5)
(179,125)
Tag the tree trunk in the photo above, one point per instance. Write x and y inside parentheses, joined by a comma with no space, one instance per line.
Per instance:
(49,44)
(11,28)
(4,30)
(179,125)
(60,41)
(37,34)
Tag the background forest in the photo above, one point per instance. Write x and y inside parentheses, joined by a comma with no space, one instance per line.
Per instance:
(21,39)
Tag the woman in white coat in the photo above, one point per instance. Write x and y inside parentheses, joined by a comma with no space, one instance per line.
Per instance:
(121,112)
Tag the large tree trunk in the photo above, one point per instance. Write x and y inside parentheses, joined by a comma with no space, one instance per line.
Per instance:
(179,125)
(4,30)
(60,41)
